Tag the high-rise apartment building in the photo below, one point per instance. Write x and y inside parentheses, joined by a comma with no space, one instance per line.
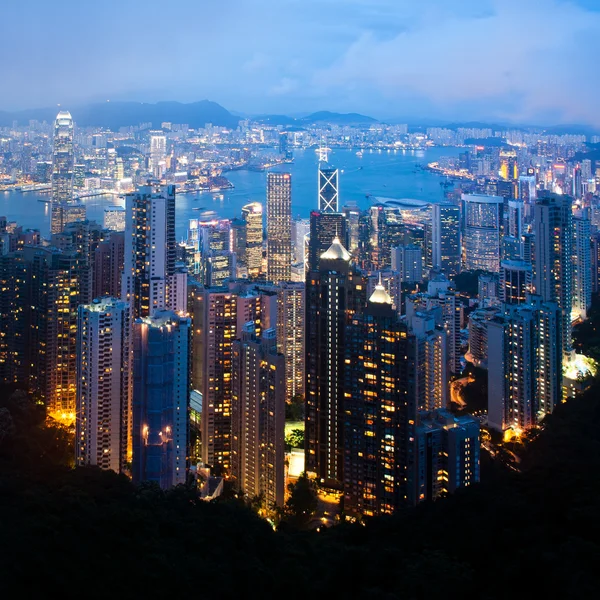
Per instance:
(63,158)
(253,217)
(445,238)
(515,281)
(115,218)
(379,410)
(151,280)
(482,230)
(408,262)
(103,418)
(334,293)
(290,335)
(161,388)
(109,259)
(158,153)
(524,364)
(553,261)
(279,227)
(582,265)
(329,199)
(258,416)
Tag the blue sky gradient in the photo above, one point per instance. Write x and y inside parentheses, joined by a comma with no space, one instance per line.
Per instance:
(526,61)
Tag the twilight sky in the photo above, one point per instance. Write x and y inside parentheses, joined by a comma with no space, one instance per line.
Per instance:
(528,61)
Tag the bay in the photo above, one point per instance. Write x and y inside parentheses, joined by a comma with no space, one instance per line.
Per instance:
(375,174)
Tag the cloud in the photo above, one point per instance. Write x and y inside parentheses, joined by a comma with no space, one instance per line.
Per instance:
(285,86)
(520,61)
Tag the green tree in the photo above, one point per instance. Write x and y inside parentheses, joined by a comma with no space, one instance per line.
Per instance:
(295,439)
(302,503)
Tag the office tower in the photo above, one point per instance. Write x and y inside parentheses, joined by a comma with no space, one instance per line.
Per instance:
(577,183)
(79,173)
(218,264)
(290,335)
(115,218)
(481,237)
(351,213)
(300,237)
(279,227)
(62,214)
(63,158)
(408,262)
(524,364)
(158,152)
(447,451)
(324,228)
(215,329)
(445,238)
(553,261)
(161,388)
(379,410)
(109,258)
(253,216)
(515,281)
(514,219)
(103,421)
(334,293)
(329,199)
(151,280)
(582,284)
(258,416)
(238,247)
(283,144)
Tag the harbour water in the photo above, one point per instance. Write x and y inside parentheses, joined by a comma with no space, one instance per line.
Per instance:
(378,174)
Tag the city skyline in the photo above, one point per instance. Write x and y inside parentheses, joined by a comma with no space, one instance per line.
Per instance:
(298,69)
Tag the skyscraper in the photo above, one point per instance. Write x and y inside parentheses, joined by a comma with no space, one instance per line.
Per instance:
(63,158)
(150,278)
(158,153)
(324,228)
(109,258)
(482,228)
(334,293)
(103,421)
(215,329)
(258,416)
(445,238)
(553,263)
(290,335)
(279,227)
(379,410)
(515,281)
(253,216)
(524,364)
(329,200)
(408,262)
(64,213)
(582,265)
(161,389)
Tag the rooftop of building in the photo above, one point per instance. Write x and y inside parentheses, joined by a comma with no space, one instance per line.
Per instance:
(336,251)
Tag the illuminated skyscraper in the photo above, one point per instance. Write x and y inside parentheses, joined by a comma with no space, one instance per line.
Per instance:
(582,265)
(279,227)
(63,158)
(524,364)
(290,335)
(324,228)
(215,329)
(334,293)
(379,410)
(408,262)
(115,218)
(151,280)
(553,263)
(253,216)
(258,416)
(64,213)
(161,388)
(329,199)
(109,257)
(158,152)
(103,420)
(515,281)
(445,238)
(482,227)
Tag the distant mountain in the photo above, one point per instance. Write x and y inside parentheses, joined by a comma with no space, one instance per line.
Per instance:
(122,114)
(325,116)
(275,120)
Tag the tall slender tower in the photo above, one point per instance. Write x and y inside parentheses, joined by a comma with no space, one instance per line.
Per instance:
(333,294)
(161,350)
(279,227)
(63,158)
(445,238)
(253,216)
(258,415)
(481,239)
(329,199)
(553,228)
(103,419)
(150,279)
